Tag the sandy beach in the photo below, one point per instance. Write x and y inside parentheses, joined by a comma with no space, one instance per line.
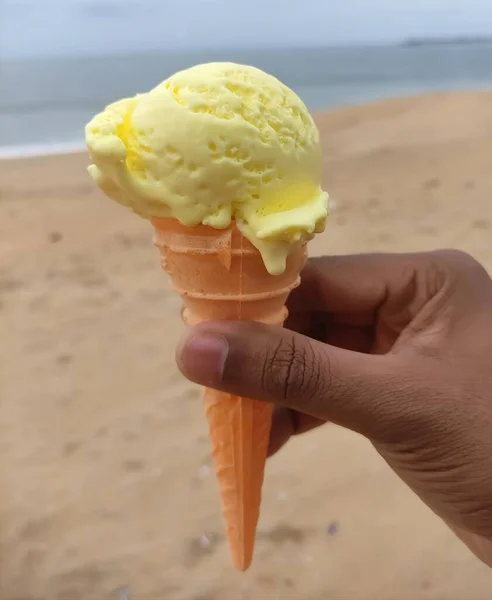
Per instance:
(105,472)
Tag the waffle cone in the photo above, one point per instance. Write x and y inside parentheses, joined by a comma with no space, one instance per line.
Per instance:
(221,276)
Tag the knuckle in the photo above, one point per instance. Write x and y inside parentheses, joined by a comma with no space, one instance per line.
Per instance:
(458,260)
(462,274)
(292,371)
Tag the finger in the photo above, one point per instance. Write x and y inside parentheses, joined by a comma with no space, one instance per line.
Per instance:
(287,423)
(354,283)
(357,339)
(324,328)
(280,366)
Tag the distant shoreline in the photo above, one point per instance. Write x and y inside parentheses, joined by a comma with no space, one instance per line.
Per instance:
(446,41)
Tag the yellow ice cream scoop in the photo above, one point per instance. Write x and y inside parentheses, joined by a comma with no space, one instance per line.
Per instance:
(211,144)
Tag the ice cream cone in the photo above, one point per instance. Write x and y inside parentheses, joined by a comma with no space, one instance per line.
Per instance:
(221,276)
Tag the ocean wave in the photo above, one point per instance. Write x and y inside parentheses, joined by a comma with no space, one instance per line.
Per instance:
(31,150)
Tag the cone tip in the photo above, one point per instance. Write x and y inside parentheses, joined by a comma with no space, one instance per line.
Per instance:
(242,563)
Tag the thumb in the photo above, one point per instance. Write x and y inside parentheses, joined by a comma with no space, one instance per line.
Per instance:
(276,365)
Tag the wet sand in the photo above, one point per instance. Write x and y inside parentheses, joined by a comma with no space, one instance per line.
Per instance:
(105,464)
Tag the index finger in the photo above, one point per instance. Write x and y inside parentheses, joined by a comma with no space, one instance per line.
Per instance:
(351,284)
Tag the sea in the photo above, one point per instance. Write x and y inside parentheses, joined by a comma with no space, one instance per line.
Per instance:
(45,103)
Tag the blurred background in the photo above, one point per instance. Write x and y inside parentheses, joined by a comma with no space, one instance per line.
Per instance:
(107,484)
(64,59)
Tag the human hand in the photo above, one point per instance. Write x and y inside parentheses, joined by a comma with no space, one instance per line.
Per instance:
(395,347)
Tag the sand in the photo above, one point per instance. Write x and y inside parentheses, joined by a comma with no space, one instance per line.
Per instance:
(105,474)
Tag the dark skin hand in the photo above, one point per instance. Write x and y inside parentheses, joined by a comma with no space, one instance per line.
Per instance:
(395,347)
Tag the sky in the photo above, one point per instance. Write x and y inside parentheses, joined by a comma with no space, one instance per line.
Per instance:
(39,28)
